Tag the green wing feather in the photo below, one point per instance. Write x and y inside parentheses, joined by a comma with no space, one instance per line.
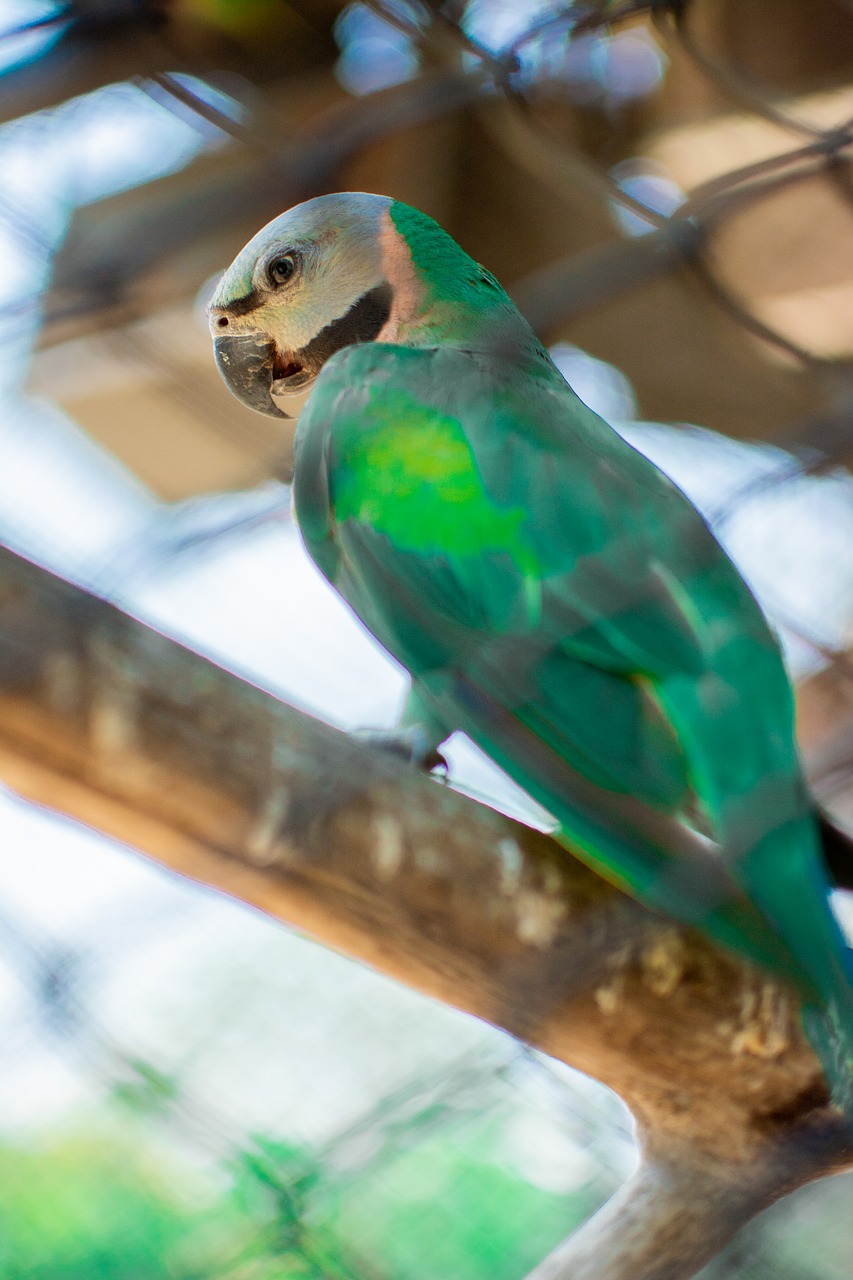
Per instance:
(558,599)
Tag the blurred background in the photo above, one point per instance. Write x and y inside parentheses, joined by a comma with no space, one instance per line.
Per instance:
(187,1090)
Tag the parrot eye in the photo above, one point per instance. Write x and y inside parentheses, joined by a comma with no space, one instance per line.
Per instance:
(281,269)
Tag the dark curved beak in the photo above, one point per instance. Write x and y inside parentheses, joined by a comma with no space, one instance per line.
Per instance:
(245,361)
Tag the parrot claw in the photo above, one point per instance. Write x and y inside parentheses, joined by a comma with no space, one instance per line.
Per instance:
(411,744)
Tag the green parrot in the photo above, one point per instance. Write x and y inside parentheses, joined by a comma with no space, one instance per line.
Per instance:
(551,593)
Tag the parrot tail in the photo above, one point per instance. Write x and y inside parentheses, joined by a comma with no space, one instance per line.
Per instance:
(784,874)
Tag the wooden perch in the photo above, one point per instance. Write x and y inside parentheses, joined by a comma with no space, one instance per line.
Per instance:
(106,720)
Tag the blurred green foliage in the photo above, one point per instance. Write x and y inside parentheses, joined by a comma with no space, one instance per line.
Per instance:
(99,1204)
(111,1202)
(81,1209)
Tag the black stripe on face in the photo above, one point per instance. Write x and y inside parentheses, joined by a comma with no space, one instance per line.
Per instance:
(362,323)
(245,305)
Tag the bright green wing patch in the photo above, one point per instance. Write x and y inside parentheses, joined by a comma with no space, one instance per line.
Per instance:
(409,472)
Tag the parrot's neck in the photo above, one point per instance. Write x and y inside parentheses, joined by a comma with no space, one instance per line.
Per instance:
(443,297)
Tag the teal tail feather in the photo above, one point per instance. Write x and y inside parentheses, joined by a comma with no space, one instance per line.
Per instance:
(784,875)
(828,1030)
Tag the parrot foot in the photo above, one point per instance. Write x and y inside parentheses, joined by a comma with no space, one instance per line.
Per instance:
(411,744)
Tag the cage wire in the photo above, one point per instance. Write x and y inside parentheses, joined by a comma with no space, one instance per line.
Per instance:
(190,1090)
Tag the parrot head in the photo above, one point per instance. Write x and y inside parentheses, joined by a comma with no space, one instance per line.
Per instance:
(342,269)
(312,281)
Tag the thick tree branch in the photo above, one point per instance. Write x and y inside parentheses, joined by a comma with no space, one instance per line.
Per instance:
(104,719)
(669,1219)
